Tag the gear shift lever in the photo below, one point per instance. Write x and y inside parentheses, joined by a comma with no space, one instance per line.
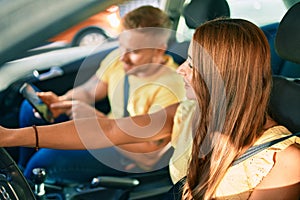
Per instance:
(38,178)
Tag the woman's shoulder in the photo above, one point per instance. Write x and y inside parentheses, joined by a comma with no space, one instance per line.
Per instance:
(289,159)
(267,164)
(286,160)
(283,180)
(277,132)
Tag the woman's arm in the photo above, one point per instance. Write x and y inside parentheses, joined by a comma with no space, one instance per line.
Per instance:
(283,181)
(91,133)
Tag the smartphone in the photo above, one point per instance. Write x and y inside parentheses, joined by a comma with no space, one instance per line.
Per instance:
(29,93)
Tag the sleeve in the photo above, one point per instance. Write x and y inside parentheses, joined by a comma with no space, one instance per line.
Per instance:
(182,140)
(166,96)
(170,89)
(106,66)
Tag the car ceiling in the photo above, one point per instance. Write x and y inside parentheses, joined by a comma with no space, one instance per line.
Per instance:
(27,24)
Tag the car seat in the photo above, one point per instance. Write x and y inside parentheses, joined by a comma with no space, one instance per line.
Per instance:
(285,96)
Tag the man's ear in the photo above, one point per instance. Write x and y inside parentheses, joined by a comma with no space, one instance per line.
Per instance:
(161,50)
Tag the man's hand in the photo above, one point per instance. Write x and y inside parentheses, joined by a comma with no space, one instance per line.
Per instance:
(49,98)
(77,109)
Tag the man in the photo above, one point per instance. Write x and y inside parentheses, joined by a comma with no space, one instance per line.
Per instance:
(152,84)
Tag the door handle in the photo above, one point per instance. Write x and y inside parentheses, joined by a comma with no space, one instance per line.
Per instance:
(52,73)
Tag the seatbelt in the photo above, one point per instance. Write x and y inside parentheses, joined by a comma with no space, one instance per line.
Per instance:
(126,95)
(175,192)
(258,148)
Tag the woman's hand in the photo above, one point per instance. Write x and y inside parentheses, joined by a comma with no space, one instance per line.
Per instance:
(2,136)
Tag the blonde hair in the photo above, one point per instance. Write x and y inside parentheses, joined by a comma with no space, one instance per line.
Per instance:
(146,16)
(150,21)
(232,81)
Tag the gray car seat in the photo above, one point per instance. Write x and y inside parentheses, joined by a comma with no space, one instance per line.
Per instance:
(285,96)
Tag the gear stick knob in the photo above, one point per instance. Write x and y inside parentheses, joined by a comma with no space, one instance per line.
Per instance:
(38,178)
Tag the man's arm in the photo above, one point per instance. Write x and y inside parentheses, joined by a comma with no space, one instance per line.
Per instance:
(89,92)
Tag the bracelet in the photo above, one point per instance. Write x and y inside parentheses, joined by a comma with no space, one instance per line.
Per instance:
(36,138)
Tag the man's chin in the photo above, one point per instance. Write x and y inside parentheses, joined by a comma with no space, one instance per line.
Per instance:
(131,71)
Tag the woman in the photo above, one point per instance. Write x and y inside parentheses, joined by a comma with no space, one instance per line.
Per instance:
(232,81)
(228,74)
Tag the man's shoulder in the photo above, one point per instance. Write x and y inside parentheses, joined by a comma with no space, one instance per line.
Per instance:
(170,62)
(111,64)
(112,59)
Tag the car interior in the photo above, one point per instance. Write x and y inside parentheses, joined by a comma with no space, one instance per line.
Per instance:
(284,40)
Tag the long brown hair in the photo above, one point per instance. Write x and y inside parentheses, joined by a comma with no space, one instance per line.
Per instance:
(232,82)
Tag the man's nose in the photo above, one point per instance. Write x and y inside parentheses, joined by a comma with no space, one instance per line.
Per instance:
(124,56)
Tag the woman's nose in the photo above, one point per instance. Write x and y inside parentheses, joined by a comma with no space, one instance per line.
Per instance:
(180,70)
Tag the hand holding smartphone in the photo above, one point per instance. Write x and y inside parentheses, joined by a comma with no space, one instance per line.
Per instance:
(29,93)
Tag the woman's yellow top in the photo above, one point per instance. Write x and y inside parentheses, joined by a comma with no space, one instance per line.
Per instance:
(241,179)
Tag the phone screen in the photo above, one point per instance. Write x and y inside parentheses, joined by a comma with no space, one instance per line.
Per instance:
(29,93)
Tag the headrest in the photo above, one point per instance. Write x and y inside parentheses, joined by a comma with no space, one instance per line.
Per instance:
(287,42)
(199,11)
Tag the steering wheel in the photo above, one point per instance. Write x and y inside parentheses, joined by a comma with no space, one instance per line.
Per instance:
(13,184)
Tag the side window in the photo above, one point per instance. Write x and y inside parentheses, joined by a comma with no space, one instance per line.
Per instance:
(260,12)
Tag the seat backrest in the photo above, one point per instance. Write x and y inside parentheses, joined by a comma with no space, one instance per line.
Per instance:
(284,104)
(285,96)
